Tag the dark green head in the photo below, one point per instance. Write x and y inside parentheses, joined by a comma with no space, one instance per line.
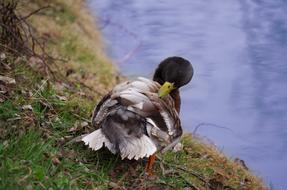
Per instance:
(173,73)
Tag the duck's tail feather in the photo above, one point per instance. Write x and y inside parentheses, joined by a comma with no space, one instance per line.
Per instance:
(135,148)
(96,140)
(128,147)
(122,132)
(126,130)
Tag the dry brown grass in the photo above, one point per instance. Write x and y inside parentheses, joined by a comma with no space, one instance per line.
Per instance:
(72,35)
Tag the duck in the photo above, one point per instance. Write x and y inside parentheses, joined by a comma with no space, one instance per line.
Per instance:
(140,117)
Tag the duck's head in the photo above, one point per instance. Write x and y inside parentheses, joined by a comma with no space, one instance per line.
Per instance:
(172,73)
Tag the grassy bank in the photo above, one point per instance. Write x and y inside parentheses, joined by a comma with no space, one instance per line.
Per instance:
(47,99)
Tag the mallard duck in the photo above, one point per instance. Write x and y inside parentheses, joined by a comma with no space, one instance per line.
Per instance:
(140,117)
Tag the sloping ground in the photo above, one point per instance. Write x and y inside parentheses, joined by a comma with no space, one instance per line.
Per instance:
(42,110)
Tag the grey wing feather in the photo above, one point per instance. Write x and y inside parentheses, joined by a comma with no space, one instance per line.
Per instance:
(126,131)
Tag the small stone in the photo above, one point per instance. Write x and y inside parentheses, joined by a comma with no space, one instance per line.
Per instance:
(17,117)
(178,147)
(30,93)
(2,56)
(62,98)
(3,91)
(72,129)
(29,187)
(84,124)
(23,92)
(56,161)
(81,93)
(114,185)
(27,107)
(6,144)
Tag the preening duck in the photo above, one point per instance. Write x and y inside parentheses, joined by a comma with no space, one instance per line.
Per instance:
(140,117)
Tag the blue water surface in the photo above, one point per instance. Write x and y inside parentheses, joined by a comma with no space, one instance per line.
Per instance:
(238,97)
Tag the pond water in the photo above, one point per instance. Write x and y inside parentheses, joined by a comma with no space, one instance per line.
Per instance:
(237,98)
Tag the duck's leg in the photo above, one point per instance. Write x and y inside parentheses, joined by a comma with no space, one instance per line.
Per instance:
(149,165)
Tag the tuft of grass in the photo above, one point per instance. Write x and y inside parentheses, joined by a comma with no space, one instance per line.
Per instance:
(204,167)
(8,110)
(24,160)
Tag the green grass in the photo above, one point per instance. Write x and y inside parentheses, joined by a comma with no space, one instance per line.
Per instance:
(59,11)
(29,145)
(75,50)
(33,149)
(35,154)
(8,110)
(28,161)
(24,160)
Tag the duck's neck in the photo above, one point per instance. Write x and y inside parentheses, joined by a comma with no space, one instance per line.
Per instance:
(176,97)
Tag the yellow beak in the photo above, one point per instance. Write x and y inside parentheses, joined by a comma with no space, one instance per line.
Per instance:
(165,89)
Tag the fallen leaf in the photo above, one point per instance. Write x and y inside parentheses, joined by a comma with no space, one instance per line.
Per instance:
(81,93)
(2,56)
(61,141)
(35,62)
(72,129)
(5,143)
(30,94)
(114,185)
(17,117)
(3,89)
(84,124)
(62,98)
(29,187)
(56,161)
(7,80)
(6,66)
(27,107)
(178,147)
(62,86)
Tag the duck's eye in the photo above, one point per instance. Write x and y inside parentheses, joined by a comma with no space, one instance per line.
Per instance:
(168,86)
